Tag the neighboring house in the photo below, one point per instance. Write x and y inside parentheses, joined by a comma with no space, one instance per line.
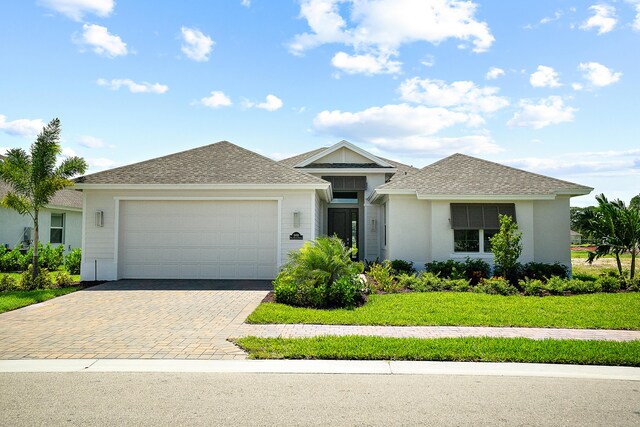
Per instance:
(576,238)
(221,211)
(60,222)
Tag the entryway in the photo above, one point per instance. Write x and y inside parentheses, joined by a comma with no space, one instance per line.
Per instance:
(344,222)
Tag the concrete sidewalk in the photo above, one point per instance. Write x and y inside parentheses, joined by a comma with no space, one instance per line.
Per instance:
(373,367)
(304,330)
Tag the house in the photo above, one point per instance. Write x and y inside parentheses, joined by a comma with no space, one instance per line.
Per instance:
(221,211)
(60,222)
(576,238)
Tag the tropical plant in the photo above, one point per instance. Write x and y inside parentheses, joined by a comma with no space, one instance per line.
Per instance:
(310,273)
(615,229)
(506,245)
(34,178)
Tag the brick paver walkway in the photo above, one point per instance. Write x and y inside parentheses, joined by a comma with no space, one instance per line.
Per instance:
(134,320)
(300,330)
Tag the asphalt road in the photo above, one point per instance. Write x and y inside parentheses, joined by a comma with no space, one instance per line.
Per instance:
(177,399)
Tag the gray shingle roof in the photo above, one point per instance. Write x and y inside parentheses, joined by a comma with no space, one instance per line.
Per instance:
(219,163)
(401,167)
(63,198)
(465,175)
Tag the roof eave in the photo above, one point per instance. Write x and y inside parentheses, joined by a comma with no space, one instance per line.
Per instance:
(342,171)
(302,186)
(339,145)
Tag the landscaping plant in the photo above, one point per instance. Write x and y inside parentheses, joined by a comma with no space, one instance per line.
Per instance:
(35,177)
(506,245)
(73,260)
(309,276)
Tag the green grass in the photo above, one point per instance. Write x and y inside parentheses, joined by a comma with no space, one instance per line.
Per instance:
(583,254)
(599,311)
(16,299)
(522,350)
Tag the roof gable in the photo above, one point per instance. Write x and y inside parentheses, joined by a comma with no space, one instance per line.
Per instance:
(219,163)
(462,175)
(343,152)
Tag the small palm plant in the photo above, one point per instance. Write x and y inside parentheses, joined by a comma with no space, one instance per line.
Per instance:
(34,178)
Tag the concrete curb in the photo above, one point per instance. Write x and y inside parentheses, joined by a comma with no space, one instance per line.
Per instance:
(374,367)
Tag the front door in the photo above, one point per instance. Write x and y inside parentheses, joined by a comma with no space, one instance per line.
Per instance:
(343,222)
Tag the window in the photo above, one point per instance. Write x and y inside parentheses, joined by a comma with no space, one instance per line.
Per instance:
(345,197)
(475,223)
(466,241)
(57,228)
(384,225)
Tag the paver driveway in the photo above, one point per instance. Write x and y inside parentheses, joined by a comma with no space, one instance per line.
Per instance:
(135,319)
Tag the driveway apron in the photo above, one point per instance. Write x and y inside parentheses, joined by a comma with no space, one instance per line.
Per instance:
(134,319)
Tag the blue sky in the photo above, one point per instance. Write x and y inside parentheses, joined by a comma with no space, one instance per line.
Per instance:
(547,86)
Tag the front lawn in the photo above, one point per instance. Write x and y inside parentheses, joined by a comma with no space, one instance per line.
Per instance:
(16,299)
(597,311)
(521,350)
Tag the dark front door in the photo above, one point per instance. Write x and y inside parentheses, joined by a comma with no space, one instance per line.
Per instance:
(343,222)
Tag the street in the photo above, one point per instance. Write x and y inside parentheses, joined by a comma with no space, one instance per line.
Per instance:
(92,398)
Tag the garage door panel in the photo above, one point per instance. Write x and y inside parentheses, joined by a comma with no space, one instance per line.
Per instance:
(198,239)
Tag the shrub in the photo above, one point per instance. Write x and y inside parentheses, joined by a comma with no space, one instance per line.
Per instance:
(42,280)
(577,287)
(306,279)
(12,260)
(446,269)
(496,286)
(63,279)
(400,266)
(585,277)
(407,281)
(533,287)
(556,285)
(609,283)
(346,292)
(50,258)
(473,269)
(426,282)
(476,269)
(8,283)
(542,271)
(383,278)
(73,260)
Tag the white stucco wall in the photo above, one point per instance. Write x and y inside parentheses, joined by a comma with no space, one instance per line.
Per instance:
(408,229)
(420,230)
(99,242)
(551,226)
(12,227)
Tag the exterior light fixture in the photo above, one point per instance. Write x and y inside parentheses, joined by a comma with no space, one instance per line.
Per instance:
(99,218)
(373,225)
(296,218)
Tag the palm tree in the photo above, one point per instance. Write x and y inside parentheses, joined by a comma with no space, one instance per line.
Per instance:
(34,177)
(615,229)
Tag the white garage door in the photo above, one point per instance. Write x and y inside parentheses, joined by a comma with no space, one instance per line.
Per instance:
(198,239)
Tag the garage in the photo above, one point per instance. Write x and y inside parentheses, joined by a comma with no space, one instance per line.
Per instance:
(198,239)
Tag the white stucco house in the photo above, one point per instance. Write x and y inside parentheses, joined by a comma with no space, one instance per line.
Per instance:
(221,211)
(60,222)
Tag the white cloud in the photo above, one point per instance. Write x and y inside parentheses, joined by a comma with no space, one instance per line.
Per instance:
(577,86)
(100,163)
(133,87)
(418,145)
(547,111)
(246,3)
(494,73)
(546,20)
(365,64)
(593,163)
(604,18)
(92,142)
(272,103)
(21,127)
(544,77)
(460,95)
(216,99)
(101,41)
(196,45)
(76,9)
(374,28)
(636,22)
(598,75)
(388,121)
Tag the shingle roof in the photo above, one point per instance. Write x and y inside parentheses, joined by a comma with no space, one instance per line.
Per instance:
(219,163)
(465,175)
(63,198)
(401,167)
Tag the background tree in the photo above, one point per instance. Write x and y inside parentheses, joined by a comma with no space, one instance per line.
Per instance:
(635,202)
(34,178)
(615,229)
(577,215)
(506,246)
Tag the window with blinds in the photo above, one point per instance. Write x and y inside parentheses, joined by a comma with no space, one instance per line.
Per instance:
(477,216)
